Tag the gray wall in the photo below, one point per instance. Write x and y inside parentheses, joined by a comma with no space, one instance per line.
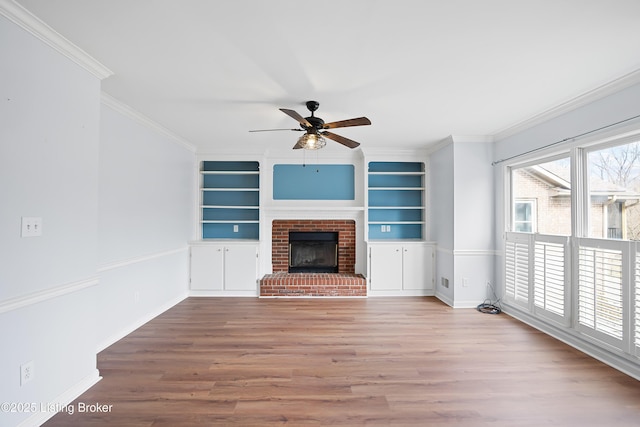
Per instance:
(117,203)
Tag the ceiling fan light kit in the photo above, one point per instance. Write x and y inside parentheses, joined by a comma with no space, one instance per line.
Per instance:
(310,141)
(314,127)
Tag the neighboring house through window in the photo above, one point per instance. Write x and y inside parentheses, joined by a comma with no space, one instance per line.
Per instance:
(524,212)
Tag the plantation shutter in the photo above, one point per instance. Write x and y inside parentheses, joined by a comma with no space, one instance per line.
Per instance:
(549,274)
(600,290)
(636,304)
(517,267)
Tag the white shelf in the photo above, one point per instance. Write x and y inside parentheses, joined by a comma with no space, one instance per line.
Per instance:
(228,207)
(395,222)
(397,173)
(396,188)
(229,189)
(228,221)
(230,172)
(396,207)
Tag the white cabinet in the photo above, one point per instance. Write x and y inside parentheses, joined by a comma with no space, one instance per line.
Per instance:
(224,269)
(385,267)
(401,268)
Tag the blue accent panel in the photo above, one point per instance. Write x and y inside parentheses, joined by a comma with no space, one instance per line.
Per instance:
(231,198)
(398,232)
(213,214)
(395,181)
(391,215)
(395,198)
(231,181)
(230,166)
(396,167)
(225,231)
(313,182)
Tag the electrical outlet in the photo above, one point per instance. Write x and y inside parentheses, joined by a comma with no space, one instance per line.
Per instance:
(27,372)
(235,228)
(31,227)
(465,282)
(445,282)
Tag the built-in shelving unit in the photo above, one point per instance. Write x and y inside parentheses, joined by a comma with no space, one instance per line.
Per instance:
(230,199)
(395,206)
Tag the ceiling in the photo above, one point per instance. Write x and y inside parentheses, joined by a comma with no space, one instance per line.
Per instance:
(420,70)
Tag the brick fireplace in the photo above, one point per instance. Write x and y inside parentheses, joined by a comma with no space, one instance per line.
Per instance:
(343,283)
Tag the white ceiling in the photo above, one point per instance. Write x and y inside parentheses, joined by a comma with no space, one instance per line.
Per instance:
(420,70)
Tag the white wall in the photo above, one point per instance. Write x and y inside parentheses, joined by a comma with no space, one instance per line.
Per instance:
(145,219)
(441,223)
(474,224)
(48,168)
(461,206)
(117,202)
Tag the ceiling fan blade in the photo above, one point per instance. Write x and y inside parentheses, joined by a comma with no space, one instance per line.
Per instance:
(271,130)
(360,121)
(297,117)
(341,139)
(298,145)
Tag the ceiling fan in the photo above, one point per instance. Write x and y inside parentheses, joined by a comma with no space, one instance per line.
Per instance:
(314,128)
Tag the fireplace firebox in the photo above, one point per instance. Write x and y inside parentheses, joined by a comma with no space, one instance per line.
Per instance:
(313,252)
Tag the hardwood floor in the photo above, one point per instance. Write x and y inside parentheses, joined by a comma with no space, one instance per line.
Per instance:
(349,362)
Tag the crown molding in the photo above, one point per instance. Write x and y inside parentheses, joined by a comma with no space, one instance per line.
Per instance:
(145,121)
(36,27)
(616,85)
(394,152)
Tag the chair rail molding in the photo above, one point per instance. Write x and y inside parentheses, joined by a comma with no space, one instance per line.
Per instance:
(46,294)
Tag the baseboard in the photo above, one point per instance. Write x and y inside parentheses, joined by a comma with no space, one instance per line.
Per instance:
(444,299)
(407,293)
(466,304)
(201,293)
(62,402)
(132,327)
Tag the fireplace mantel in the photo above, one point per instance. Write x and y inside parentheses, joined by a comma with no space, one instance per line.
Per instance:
(304,210)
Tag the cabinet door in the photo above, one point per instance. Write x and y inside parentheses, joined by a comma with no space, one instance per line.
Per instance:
(240,268)
(207,268)
(416,262)
(385,268)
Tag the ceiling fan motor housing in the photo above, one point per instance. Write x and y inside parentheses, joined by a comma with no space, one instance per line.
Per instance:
(316,122)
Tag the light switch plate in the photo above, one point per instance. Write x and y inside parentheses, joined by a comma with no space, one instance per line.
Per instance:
(31,226)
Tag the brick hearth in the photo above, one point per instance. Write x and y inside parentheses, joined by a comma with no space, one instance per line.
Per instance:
(313,285)
(343,283)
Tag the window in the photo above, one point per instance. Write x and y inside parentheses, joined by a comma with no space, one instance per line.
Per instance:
(523,216)
(614,214)
(614,192)
(584,278)
(541,195)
